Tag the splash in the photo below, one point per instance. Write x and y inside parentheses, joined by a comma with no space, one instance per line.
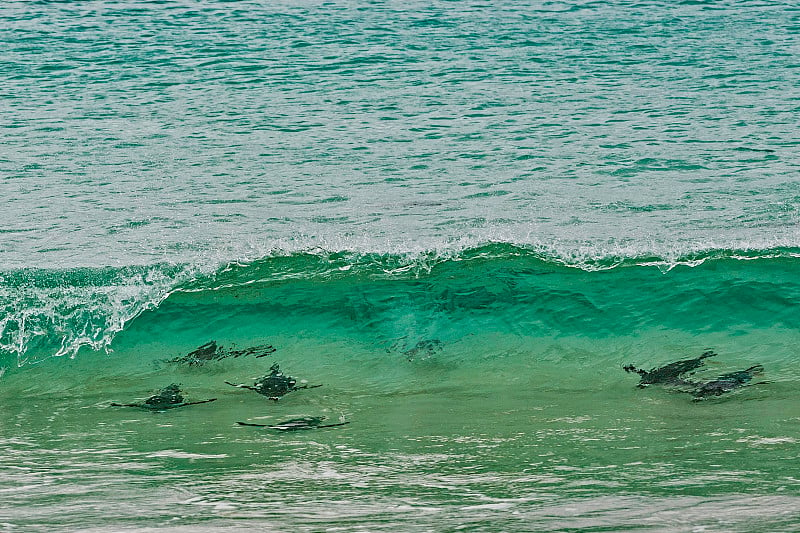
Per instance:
(53,313)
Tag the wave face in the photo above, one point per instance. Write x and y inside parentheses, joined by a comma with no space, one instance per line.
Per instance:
(141,160)
(483,386)
(399,300)
(461,218)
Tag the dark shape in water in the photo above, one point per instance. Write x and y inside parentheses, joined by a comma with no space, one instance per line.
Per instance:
(671,374)
(296,424)
(424,348)
(210,351)
(169,397)
(275,384)
(726,383)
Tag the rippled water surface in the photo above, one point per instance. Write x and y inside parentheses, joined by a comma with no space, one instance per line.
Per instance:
(137,132)
(462,218)
(509,445)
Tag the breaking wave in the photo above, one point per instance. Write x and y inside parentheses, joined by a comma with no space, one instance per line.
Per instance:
(48,313)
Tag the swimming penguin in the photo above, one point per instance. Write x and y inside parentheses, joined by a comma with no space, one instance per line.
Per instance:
(169,397)
(211,351)
(726,383)
(274,385)
(671,374)
(296,424)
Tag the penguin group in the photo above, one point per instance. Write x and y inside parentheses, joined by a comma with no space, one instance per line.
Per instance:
(676,376)
(273,385)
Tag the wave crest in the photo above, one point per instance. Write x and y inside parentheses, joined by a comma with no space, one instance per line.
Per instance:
(48,313)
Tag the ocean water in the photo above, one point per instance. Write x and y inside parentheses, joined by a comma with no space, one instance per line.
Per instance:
(460,218)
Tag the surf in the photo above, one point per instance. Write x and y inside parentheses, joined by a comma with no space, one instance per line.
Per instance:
(412,305)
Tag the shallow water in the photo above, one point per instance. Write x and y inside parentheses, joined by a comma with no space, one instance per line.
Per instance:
(486,394)
(461,218)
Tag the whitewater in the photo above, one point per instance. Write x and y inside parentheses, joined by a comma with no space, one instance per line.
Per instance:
(462,219)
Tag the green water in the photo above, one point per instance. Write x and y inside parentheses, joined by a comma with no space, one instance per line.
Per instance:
(517,417)
(462,218)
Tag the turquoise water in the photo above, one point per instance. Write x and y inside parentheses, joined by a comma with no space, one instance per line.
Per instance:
(460,218)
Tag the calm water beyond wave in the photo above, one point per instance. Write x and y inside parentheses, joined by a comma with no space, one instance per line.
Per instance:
(460,218)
